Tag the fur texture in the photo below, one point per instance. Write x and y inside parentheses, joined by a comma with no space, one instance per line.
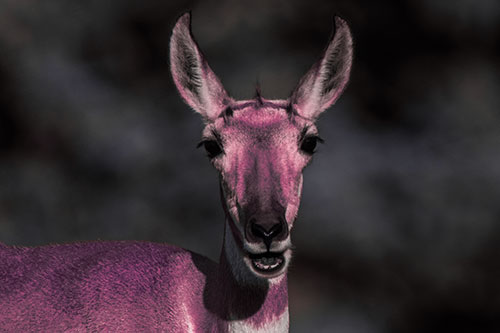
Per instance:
(127,287)
(260,148)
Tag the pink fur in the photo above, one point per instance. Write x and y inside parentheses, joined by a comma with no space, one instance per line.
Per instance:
(120,286)
(139,286)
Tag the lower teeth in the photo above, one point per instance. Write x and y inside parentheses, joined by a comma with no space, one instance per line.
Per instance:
(267,263)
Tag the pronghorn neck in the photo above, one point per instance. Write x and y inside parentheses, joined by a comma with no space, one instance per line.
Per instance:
(250,303)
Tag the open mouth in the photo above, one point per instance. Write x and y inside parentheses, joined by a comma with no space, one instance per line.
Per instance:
(268,262)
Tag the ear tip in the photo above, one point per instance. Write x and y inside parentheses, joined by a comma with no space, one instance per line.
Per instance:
(340,23)
(187,15)
(184,21)
(341,30)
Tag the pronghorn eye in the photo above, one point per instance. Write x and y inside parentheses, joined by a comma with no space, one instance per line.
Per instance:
(309,143)
(212,147)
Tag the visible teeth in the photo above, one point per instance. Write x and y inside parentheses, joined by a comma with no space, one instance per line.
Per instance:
(266,263)
(264,266)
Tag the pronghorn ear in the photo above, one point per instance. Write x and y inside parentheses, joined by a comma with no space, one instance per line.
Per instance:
(326,80)
(196,82)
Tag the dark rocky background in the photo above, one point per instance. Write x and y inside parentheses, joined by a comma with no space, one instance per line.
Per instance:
(399,225)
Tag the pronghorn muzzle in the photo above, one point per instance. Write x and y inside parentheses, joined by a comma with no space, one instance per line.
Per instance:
(266,228)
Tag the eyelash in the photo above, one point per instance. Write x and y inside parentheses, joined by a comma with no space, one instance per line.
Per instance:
(212,147)
(309,142)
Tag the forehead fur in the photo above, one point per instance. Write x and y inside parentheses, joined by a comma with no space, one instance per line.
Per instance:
(259,117)
(257,114)
(254,114)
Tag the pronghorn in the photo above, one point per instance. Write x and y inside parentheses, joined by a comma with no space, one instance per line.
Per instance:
(259,148)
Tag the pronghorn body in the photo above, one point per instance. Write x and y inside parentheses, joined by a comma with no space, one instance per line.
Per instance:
(260,148)
(127,287)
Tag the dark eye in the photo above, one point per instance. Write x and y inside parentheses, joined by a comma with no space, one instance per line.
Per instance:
(212,147)
(309,143)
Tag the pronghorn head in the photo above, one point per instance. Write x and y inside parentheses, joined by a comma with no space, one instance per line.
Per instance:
(260,147)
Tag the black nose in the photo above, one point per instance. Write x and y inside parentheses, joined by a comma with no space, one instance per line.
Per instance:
(266,232)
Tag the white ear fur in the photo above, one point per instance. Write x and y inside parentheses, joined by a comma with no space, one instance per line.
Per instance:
(196,82)
(325,81)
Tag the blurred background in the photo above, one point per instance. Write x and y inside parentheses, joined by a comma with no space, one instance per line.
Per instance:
(399,225)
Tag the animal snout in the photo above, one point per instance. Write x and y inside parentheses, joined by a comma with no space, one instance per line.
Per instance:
(266,230)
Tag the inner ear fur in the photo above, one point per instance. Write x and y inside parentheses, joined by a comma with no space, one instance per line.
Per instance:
(196,82)
(325,81)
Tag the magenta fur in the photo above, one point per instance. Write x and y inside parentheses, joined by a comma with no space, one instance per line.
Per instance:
(123,286)
(259,148)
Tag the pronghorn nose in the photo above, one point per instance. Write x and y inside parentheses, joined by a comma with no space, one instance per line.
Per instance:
(266,232)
